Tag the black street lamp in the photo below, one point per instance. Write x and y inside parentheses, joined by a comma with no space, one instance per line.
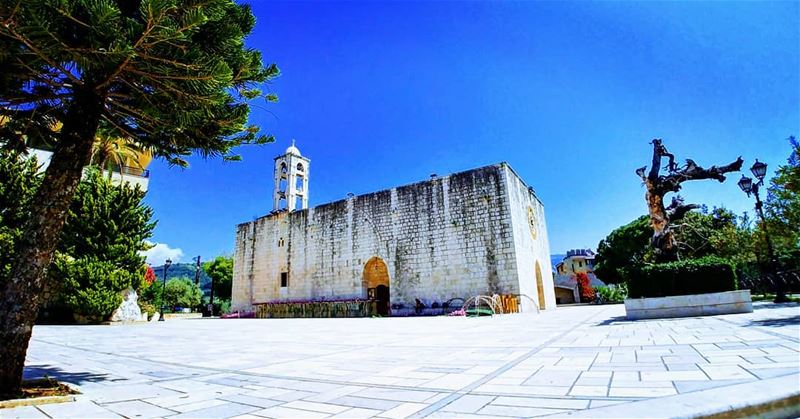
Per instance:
(747,185)
(163,288)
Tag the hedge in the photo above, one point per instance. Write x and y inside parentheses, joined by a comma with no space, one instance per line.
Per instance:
(694,276)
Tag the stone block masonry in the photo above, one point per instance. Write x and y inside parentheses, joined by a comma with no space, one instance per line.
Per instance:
(481,231)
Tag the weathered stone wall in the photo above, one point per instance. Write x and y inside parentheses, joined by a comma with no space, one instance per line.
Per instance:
(531,243)
(440,239)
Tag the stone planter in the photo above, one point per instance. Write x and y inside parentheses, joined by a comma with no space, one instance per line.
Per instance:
(729,302)
(179,316)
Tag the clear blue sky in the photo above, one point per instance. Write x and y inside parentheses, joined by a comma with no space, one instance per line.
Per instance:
(570,94)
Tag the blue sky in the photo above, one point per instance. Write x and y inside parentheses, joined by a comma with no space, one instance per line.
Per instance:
(569,94)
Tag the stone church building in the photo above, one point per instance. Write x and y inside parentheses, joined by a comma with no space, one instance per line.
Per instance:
(478,232)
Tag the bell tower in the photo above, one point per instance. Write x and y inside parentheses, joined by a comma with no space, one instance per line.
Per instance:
(291,180)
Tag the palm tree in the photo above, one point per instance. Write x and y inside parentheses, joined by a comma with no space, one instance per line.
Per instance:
(110,152)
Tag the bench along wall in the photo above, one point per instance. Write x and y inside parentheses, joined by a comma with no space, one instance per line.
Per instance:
(460,235)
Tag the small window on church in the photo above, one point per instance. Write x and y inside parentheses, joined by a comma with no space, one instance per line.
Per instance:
(284,169)
(299,167)
(284,279)
(280,242)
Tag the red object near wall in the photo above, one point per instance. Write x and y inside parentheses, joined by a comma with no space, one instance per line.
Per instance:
(150,276)
(585,288)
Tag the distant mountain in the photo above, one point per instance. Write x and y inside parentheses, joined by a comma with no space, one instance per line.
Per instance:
(178,270)
(554,259)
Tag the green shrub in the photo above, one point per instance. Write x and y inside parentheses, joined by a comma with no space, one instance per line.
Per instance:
(148,308)
(151,293)
(225,306)
(613,293)
(19,179)
(181,292)
(694,276)
(94,285)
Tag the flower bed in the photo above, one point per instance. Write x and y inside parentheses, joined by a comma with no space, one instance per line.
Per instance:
(316,309)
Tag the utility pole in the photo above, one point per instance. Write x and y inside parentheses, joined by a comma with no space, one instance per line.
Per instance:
(197,271)
(197,268)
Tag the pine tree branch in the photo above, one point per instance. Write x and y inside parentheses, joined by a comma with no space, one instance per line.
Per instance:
(127,59)
(72,18)
(171,77)
(40,54)
(134,113)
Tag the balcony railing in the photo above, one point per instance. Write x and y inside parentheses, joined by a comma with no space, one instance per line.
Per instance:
(131,171)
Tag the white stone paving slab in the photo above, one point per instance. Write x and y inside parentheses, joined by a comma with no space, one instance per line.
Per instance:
(77,409)
(23,412)
(529,364)
(138,409)
(219,411)
(705,403)
(286,412)
(403,411)
(357,413)
(468,404)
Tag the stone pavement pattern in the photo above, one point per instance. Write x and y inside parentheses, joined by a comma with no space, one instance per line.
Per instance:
(560,362)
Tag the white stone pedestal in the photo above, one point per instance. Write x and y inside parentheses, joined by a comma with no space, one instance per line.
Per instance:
(728,302)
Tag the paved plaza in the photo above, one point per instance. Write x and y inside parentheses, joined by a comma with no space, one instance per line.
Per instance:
(583,361)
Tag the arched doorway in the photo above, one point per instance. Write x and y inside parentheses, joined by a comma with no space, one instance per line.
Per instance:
(539,285)
(376,283)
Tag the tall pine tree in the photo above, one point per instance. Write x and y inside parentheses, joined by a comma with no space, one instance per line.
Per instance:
(172,76)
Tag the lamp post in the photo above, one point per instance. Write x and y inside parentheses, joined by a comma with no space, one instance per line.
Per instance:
(747,185)
(197,268)
(163,288)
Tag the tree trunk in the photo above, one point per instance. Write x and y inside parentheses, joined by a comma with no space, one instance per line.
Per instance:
(664,243)
(20,293)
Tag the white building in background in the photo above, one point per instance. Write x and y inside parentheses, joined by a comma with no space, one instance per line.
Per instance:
(478,232)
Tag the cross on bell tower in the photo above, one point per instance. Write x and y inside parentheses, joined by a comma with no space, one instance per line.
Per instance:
(291,180)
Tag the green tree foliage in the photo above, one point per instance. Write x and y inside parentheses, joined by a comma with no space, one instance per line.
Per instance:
(625,247)
(181,292)
(105,232)
(718,232)
(221,271)
(703,275)
(612,293)
(18,182)
(109,222)
(98,254)
(783,209)
(171,76)
(90,287)
(151,292)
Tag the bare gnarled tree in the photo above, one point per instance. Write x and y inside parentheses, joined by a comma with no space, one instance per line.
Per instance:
(662,217)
